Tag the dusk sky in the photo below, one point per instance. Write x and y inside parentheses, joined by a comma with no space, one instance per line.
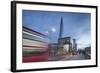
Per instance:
(75,25)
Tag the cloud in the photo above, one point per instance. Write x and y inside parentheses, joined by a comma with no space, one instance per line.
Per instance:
(84,41)
(83,38)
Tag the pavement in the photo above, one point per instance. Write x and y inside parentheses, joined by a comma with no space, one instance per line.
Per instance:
(55,58)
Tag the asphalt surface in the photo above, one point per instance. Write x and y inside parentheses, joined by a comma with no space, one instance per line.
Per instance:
(69,57)
(74,57)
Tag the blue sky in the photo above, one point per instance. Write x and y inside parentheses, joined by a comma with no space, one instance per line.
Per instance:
(75,25)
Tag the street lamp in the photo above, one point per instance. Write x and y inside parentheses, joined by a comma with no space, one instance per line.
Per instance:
(49,32)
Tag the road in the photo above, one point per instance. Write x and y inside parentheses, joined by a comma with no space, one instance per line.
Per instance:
(69,57)
(74,57)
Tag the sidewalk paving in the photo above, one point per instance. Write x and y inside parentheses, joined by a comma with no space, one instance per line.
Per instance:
(55,58)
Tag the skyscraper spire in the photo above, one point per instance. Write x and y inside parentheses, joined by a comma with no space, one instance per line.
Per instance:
(61,28)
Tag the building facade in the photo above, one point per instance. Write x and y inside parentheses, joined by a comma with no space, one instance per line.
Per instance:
(64,45)
(67,45)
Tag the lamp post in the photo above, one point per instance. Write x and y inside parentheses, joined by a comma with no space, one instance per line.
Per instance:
(49,32)
(53,30)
